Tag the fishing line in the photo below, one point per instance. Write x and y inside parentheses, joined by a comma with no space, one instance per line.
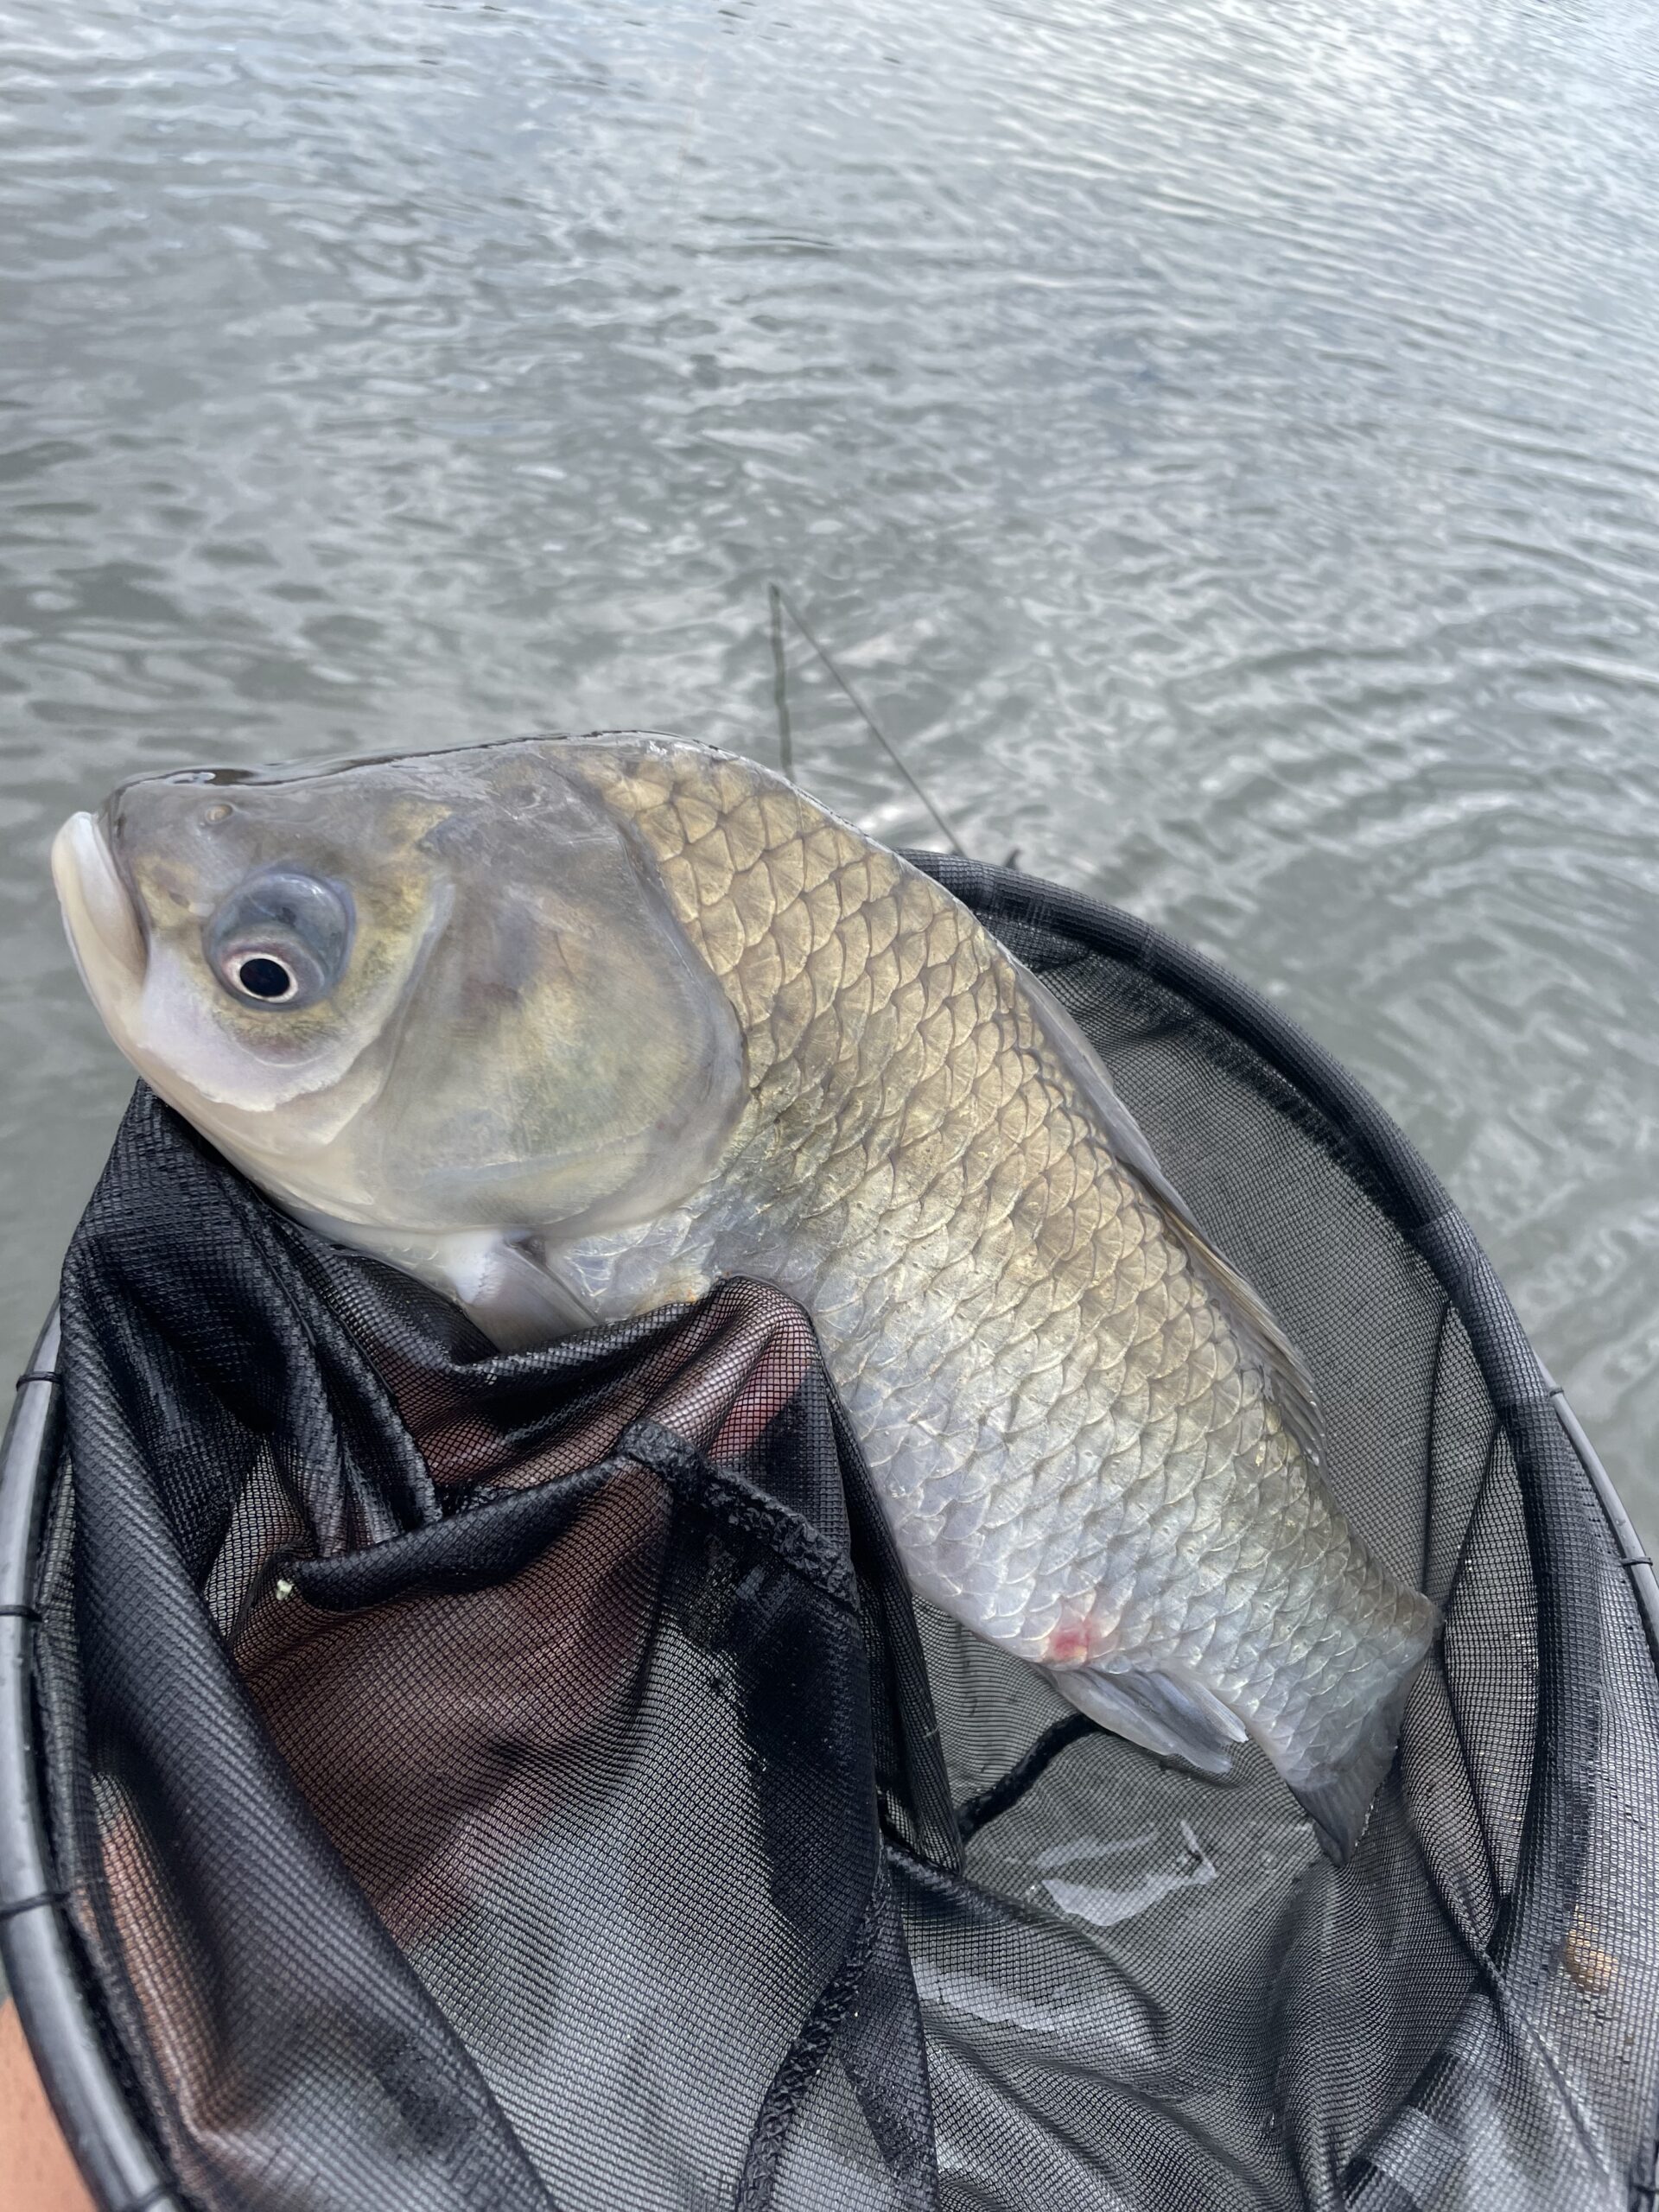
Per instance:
(782,604)
(780,681)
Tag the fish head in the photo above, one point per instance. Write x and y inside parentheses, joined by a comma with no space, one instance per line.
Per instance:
(438,994)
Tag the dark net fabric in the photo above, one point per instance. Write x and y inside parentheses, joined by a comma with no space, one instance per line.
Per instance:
(487,1781)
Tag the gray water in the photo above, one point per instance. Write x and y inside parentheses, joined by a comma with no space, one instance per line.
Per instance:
(1220,440)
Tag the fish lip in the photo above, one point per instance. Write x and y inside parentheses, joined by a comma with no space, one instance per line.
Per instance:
(101,907)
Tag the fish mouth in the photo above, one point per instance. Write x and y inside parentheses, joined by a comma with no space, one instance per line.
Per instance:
(100,916)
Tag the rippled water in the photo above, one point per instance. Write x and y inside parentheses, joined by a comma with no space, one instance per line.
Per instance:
(1220,442)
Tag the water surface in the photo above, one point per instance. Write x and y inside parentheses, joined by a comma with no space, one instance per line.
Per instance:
(1220,441)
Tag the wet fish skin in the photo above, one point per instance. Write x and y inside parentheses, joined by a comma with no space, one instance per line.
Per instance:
(1093,1446)
(1080,1456)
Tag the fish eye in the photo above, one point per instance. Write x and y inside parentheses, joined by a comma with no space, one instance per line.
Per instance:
(280,939)
(262,976)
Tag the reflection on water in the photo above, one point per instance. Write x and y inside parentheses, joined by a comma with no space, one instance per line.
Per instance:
(1221,443)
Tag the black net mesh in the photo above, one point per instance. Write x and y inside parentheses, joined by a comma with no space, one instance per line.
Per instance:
(524,1781)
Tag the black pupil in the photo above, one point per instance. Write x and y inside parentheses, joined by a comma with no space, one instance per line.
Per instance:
(264,979)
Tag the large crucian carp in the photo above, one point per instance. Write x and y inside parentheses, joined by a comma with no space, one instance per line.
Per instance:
(571,1029)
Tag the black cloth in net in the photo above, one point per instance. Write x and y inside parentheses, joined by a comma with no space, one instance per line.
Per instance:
(515,1782)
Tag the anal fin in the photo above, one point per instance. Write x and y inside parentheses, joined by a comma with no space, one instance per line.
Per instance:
(1173,1720)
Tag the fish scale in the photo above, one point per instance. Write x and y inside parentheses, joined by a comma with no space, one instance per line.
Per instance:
(1077,1454)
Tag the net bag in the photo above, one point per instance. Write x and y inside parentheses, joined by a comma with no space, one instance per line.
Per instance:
(445,1781)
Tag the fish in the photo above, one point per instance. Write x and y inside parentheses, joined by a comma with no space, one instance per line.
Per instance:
(571,1029)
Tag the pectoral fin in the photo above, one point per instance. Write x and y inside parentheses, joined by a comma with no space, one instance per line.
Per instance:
(517,1302)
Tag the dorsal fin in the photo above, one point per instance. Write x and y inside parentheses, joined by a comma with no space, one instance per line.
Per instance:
(1260,1338)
